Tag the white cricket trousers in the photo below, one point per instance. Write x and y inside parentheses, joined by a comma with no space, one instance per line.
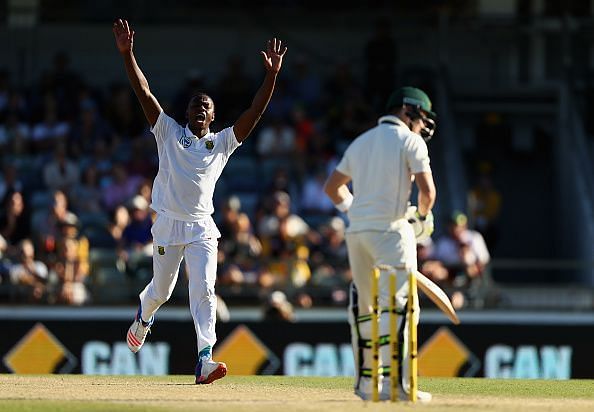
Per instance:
(196,243)
(367,249)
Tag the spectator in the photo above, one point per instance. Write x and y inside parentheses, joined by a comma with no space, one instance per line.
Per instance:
(123,114)
(331,270)
(86,196)
(137,237)
(88,128)
(353,118)
(50,130)
(438,273)
(305,129)
(229,215)
(15,221)
(306,85)
(276,140)
(9,183)
(140,162)
(71,272)
(121,189)
(281,181)
(280,231)
(120,221)
(278,309)
(69,229)
(341,84)
(47,226)
(241,251)
(313,199)
(28,274)
(102,160)
(282,102)
(462,251)
(61,173)
(146,189)
(15,135)
(4,263)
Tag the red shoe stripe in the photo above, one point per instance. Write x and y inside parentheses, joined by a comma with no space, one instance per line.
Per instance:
(130,342)
(218,373)
(133,339)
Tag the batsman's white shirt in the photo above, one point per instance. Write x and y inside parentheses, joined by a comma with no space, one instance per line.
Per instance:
(381,163)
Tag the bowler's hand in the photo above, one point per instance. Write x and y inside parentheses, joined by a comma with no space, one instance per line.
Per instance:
(273,57)
(123,35)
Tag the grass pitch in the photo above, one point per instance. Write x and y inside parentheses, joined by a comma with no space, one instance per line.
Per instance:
(75,393)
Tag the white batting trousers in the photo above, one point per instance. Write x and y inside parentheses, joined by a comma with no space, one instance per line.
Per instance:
(367,249)
(196,243)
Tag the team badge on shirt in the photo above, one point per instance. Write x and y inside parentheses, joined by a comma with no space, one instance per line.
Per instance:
(185,141)
(209,144)
(161,250)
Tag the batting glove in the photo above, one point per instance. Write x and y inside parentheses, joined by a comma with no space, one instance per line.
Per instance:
(423,226)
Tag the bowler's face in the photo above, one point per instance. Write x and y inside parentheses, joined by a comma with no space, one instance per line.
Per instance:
(200,112)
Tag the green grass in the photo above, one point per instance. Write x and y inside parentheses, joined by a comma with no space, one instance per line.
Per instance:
(583,389)
(77,393)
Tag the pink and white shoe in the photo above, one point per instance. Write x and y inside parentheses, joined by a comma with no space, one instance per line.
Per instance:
(208,371)
(138,331)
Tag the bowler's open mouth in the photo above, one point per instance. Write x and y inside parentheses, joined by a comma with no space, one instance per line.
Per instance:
(201,117)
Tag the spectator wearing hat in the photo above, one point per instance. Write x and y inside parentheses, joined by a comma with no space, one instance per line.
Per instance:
(462,252)
(137,237)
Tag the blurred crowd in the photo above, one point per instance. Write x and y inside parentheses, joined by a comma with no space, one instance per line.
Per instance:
(78,162)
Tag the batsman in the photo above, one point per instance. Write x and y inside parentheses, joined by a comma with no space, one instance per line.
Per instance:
(382,163)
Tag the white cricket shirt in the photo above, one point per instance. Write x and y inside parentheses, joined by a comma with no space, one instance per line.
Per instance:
(381,163)
(188,169)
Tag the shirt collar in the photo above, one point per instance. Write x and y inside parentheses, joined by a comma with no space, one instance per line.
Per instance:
(189,133)
(391,119)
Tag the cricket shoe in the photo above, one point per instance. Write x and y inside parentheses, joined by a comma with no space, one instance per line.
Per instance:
(138,331)
(368,397)
(422,397)
(208,371)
